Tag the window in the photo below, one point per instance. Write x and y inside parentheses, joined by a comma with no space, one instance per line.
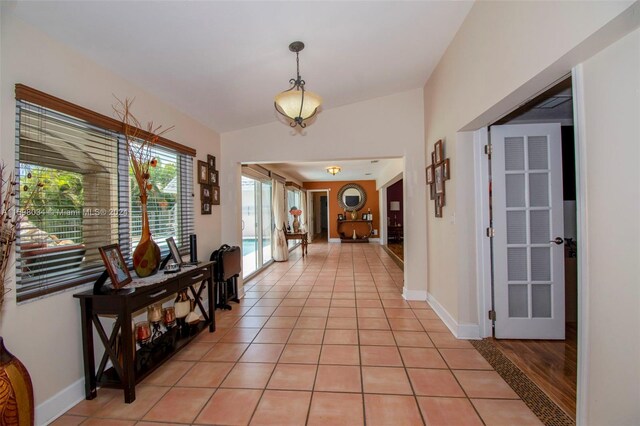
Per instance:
(257,223)
(88,199)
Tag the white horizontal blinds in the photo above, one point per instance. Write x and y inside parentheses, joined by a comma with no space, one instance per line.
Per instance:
(186,225)
(77,209)
(162,201)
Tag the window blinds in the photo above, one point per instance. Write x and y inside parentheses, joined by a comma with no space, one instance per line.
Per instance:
(88,199)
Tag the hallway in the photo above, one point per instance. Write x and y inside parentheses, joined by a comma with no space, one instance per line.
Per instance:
(324,340)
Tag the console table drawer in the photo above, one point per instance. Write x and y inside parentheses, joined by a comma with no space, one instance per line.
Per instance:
(196,277)
(155,295)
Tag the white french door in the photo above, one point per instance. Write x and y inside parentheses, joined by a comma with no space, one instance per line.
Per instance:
(528,256)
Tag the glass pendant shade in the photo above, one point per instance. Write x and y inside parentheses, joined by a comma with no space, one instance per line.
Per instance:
(289,103)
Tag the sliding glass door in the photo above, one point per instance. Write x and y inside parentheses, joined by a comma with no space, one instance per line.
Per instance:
(256,224)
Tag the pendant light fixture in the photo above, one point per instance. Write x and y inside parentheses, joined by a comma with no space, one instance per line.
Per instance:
(334,170)
(297,104)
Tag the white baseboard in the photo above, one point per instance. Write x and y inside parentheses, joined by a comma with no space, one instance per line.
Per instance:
(374,240)
(460,331)
(334,240)
(414,294)
(60,403)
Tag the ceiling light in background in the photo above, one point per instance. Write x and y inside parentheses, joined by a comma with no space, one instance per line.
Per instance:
(334,170)
(297,104)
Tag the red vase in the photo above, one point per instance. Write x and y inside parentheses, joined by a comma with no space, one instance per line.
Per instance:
(146,256)
(16,391)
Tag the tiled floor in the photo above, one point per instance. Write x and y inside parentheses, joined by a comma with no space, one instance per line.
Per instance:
(324,340)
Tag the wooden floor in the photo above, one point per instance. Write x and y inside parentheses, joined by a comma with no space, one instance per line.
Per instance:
(397,249)
(551,364)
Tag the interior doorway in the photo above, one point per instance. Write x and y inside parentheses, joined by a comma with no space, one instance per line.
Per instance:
(535,277)
(318,220)
(395,222)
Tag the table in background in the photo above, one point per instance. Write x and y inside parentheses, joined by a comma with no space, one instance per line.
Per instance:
(298,236)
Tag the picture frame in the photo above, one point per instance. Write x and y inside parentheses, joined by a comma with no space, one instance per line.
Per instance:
(116,266)
(439,179)
(438,208)
(211,162)
(203,172)
(429,174)
(215,195)
(438,151)
(175,252)
(213,177)
(446,171)
(340,216)
(205,207)
(432,192)
(205,193)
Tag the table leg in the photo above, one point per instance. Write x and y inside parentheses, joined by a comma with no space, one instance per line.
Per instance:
(90,385)
(128,348)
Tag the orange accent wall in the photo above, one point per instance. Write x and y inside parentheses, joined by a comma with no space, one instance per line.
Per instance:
(373,202)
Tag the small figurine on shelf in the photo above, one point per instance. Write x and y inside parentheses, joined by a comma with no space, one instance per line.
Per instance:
(369,216)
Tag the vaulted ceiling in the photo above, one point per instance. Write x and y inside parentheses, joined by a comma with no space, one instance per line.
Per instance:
(221,62)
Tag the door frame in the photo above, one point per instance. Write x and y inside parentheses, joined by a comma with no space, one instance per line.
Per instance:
(326,191)
(483,249)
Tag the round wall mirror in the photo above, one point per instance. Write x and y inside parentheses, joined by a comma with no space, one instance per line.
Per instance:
(352,197)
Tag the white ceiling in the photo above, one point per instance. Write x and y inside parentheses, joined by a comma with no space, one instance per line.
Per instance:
(222,62)
(317,171)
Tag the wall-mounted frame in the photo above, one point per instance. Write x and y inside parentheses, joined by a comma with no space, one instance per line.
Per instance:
(205,192)
(438,172)
(116,266)
(203,172)
(205,207)
(213,177)
(211,161)
(215,195)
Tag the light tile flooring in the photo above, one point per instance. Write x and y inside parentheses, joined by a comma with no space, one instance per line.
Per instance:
(324,340)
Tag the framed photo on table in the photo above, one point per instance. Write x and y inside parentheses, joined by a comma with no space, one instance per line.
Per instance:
(116,266)
(203,172)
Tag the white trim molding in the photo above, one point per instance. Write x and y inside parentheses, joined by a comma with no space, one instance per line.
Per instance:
(60,403)
(460,331)
(334,240)
(414,294)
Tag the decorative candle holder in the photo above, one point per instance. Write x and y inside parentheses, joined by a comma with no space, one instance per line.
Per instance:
(143,332)
(169,317)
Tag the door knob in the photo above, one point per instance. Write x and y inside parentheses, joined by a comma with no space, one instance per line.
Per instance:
(557,240)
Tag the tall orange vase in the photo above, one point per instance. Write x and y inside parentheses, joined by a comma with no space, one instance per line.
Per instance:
(16,391)
(146,256)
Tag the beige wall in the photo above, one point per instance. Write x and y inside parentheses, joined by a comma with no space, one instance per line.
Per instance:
(486,73)
(385,127)
(611,87)
(504,53)
(45,334)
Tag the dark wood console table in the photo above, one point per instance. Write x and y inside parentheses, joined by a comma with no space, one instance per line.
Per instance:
(130,366)
(347,237)
(298,236)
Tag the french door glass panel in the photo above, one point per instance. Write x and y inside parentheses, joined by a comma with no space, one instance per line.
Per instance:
(256,224)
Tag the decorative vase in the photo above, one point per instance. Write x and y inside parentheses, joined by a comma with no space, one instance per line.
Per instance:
(355,237)
(146,256)
(16,391)
(354,215)
(296,224)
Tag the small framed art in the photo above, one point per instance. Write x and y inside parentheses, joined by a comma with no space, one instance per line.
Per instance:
(203,172)
(205,207)
(116,266)
(215,195)
(430,174)
(211,161)
(439,179)
(438,151)
(213,177)
(205,192)
(445,171)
